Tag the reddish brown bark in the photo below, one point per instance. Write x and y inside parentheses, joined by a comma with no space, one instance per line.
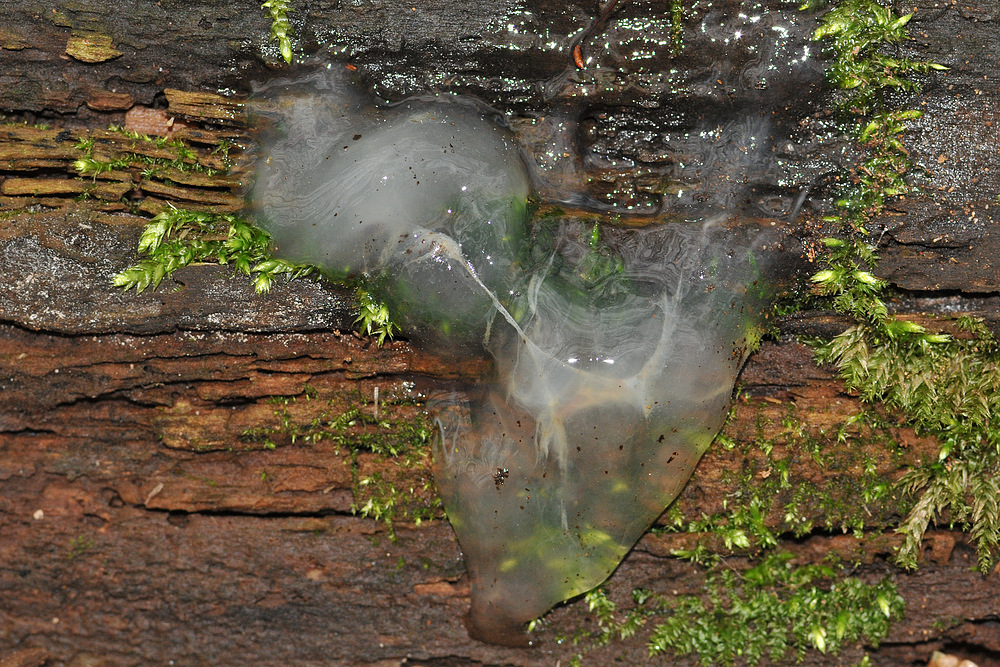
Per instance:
(140,523)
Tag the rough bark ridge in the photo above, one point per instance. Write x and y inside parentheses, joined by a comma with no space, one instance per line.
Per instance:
(158,503)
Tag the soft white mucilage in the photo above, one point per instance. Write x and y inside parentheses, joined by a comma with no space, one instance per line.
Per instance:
(615,353)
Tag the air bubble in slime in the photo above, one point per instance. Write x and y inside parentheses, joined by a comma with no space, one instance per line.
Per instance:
(615,358)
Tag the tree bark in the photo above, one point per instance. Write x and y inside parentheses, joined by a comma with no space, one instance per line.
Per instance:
(156,503)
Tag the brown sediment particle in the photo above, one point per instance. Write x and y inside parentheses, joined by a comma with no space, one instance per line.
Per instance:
(106,100)
(152,122)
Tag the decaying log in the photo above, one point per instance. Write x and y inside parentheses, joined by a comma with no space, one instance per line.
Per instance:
(159,500)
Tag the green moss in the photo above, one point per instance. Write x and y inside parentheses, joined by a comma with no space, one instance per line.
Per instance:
(176,238)
(948,389)
(386,442)
(775,492)
(775,611)
(280,27)
(942,385)
(78,546)
(676,26)
(374,317)
(184,158)
(772,611)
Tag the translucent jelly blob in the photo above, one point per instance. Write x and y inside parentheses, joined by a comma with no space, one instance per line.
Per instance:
(610,386)
(615,349)
(427,199)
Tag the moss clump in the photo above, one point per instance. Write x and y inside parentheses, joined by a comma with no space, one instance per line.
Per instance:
(78,546)
(386,441)
(176,238)
(280,27)
(948,389)
(183,159)
(776,490)
(945,386)
(774,611)
(374,318)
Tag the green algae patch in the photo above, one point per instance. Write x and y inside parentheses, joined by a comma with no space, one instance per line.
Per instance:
(91,48)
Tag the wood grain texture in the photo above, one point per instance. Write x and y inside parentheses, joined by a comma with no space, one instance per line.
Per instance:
(138,522)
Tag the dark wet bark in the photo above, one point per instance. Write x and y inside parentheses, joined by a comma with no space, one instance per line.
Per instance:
(139,523)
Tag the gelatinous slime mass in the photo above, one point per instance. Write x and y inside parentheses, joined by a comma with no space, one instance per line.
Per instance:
(616,350)
(609,390)
(427,199)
